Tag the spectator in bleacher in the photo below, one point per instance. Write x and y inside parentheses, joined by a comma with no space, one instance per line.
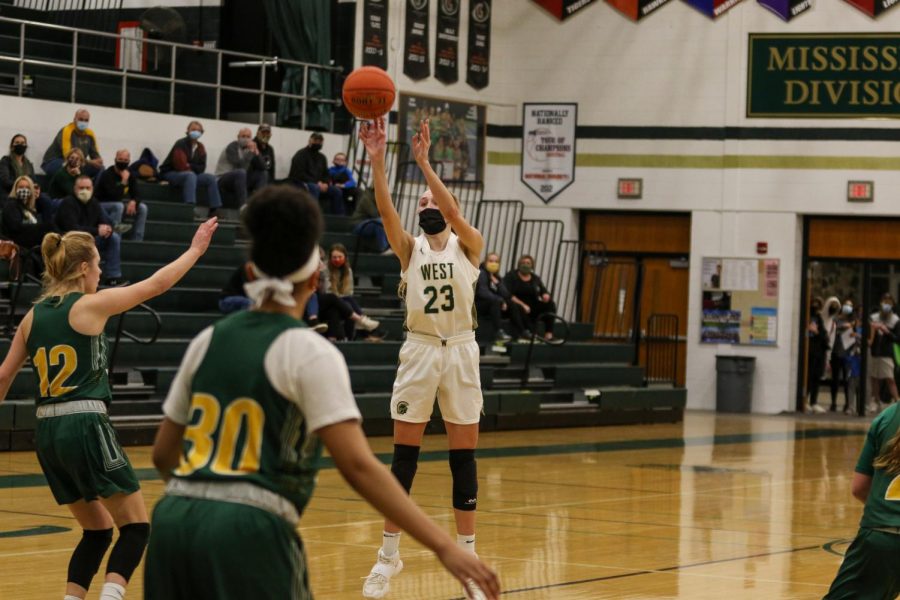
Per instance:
(492,298)
(340,283)
(46,206)
(266,151)
(21,221)
(15,164)
(185,167)
(82,212)
(532,297)
(309,170)
(76,134)
(63,181)
(367,222)
(341,177)
(115,186)
(240,167)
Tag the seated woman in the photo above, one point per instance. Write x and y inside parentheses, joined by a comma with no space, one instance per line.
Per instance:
(491,296)
(334,311)
(21,221)
(340,283)
(15,164)
(367,222)
(532,297)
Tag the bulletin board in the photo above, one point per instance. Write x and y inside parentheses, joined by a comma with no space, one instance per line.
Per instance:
(740,301)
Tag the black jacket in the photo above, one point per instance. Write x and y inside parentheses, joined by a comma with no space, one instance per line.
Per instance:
(487,290)
(20,230)
(75,215)
(528,292)
(308,167)
(111,189)
(181,159)
(8,173)
(267,157)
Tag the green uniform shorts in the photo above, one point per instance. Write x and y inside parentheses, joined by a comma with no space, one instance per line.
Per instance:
(211,550)
(871,568)
(82,459)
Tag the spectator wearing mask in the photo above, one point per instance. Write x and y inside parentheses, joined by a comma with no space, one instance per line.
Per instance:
(843,344)
(817,350)
(340,283)
(240,168)
(341,177)
(46,206)
(116,188)
(82,212)
(491,296)
(532,297)
(21,221)
(266,150)
(76,134)
(309,170)
(63,181)
(15,164)
(185,167)
(367,222)
(884,332)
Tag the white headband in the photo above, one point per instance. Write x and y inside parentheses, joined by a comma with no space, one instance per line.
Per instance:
(280,289)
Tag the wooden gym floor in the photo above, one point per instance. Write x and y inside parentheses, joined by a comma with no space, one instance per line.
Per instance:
(716,507)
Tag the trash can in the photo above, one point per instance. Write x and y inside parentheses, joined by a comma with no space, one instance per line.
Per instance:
(734,383)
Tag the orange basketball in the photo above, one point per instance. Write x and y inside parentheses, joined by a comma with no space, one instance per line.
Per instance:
(368,92)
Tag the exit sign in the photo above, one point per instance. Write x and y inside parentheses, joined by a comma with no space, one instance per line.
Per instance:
(630,189)
(860,191)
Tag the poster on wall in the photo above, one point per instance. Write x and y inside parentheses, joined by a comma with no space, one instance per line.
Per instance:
(457,134)
(637,9)
(415,42)
(375,24)
(713,8)
(740,301)
(479,59)
(446,51)
(548,148)
(787,9)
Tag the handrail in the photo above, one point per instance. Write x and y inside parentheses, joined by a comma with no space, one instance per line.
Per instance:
(556,341)
(172,80)
(120,331)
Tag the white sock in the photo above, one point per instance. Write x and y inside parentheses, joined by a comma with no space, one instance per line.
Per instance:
(70,597)
(466,542)
(390,543)
(112,591)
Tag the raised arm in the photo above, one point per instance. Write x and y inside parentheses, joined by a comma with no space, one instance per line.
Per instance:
(374,136)
(469,237)
(90,313)
(16,356)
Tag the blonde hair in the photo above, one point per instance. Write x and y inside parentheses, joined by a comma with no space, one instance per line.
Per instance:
(889,460)
(15,188)
(63,256)
(78,152)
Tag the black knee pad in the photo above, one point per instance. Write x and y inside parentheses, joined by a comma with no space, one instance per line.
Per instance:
(404,464)
(88,555)
(127,553)
(465,479)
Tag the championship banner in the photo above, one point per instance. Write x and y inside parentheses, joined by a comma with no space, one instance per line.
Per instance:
(636,9)
(415,44)
(446,56)
(833,75)
(873,8)
(375,24)
(548,148)
(787,9)
(713,8)
(479,60)
(563,9)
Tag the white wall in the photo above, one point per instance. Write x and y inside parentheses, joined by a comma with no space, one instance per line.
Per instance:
(40,120)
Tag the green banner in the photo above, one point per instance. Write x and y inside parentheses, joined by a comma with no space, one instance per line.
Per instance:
(824,75)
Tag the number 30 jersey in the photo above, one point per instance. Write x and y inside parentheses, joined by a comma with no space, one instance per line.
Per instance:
(439,290)
(67,365)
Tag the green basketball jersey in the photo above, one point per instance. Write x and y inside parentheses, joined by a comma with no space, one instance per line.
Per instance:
(240,427)
(883,505)
(67,365)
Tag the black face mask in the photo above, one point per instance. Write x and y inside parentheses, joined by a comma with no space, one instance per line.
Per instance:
(121,165)
(432,221)
(20,149)
(315,147)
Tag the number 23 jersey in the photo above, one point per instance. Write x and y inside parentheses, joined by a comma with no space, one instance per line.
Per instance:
(439,289)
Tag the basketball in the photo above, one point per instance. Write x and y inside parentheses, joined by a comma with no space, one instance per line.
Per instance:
(368,93)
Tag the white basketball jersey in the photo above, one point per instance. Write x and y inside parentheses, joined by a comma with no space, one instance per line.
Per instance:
(439,289)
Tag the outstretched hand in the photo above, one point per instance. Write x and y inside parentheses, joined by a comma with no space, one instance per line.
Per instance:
(422,142)
(466,567)
(374,136)
(204,234)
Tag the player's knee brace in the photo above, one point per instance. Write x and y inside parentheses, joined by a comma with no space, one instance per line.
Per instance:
(404,464)
(465,479)
(129,548)
(88,555)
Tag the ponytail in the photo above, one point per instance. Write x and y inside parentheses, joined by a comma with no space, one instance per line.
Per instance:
(889,460)
(63,256)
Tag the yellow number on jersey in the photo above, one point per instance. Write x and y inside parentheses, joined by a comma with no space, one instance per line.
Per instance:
(893,491)
(240,414)
(55,388)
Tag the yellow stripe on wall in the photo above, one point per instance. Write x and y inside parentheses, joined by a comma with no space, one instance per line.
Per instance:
(727,161)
